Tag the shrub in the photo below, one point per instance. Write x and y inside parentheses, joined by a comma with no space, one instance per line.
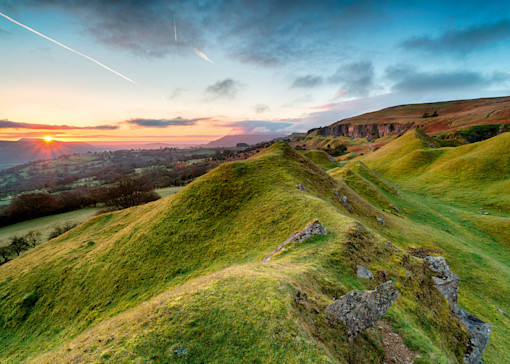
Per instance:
(60,229)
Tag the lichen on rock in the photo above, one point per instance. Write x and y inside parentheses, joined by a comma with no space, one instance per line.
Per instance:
(361,310)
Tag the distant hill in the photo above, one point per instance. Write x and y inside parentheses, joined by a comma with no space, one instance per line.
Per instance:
(232,140)
(432,118)
(26,150)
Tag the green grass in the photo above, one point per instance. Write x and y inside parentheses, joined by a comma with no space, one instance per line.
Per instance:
(45,224)
(185,271)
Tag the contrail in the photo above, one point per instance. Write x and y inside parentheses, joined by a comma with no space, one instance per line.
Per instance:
(175,33)
(68,48)
(201,55)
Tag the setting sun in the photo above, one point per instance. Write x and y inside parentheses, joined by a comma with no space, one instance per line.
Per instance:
(48,139)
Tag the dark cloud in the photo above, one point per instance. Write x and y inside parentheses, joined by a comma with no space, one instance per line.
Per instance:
(6,124)
(308,81)
(355,79)
(265,32)
(162,123)
(227,88)
(409,80)
(462,40)
(260,108)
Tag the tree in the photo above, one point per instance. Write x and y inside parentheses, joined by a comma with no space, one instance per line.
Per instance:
(19,244)
(131,191)
(5,253)
(32,238)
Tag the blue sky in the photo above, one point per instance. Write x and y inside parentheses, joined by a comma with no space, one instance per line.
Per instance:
(276,66)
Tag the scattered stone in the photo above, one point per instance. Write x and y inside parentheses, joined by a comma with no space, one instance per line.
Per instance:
(343,200)
(408,274)
(301,187)
(422,252)
(501,311)
(426,189)
(363,272)
(361,310)
(448,285)
(331,159)
(314,227)
(381,221)
(395,208)
(486,213)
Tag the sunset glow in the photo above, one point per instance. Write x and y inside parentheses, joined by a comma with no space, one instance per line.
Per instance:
(48,139)
(275,70)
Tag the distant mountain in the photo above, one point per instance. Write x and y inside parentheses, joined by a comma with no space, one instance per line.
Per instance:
(26,150)
(432,118)
(233,140)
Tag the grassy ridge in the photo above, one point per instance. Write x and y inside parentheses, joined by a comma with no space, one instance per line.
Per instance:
(183,273)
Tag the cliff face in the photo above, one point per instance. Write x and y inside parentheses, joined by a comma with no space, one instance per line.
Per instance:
(369,131)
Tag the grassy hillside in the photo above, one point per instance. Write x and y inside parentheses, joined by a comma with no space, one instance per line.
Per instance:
(475,174)
(180,279)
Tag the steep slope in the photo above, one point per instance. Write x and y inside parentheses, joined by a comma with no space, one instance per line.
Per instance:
(431,117)
(181,278)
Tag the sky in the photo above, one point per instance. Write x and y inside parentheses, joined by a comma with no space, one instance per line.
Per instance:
(193,71)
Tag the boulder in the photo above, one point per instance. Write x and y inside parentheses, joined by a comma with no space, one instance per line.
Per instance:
(448,285)
(363,272)
(314,227)
(361,310)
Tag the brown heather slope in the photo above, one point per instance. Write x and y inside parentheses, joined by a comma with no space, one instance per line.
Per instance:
(452,115)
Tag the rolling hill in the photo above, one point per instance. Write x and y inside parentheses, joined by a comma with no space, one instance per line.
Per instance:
(181,279)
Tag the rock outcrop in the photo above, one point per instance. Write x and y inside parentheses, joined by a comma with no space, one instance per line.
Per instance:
(361,310)
(369,131)
(314,227)
(363,272)
(381,221)
(343,200)
(448,285)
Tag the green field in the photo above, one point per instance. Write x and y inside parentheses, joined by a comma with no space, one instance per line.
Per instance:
(180,279)
(46,224)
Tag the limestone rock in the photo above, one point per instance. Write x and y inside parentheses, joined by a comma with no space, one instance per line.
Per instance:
(331,159)
(301,187)
(361,310)
(314,227)
(381,221)
(480,332)
(448,283)
(363,272)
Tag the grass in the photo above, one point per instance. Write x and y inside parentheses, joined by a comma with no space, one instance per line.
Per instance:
(45,224)
(183,274)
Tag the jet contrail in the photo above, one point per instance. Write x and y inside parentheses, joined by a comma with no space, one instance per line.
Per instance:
(68,48)
(201,55)
(175,33)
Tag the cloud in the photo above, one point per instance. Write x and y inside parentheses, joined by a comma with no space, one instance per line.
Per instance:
(356,79)
(265,32)
(228,88)
(162,123)
(260,108)
(260,126)
(307,81)
(409,80)
(461,41)
(6,124)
